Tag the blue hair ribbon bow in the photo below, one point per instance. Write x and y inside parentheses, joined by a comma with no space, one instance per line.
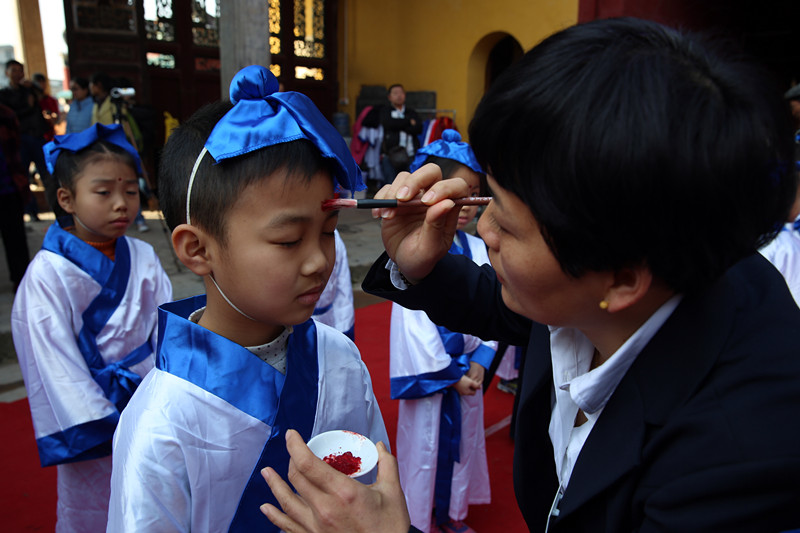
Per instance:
(261,116)
(448,147)
(75,142)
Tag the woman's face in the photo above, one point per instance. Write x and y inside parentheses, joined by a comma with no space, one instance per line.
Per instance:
(78,92)
(534,285)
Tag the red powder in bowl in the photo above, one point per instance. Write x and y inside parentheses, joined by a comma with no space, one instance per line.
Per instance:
(346,462)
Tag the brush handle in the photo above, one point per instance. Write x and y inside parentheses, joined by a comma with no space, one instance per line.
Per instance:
(378,203)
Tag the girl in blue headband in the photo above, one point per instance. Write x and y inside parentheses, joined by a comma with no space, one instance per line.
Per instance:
(437,376)
(84,318)
(242,185)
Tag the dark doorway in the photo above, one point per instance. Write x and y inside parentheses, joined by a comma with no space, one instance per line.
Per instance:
(503,54)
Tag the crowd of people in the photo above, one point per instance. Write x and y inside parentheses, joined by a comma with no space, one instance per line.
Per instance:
(639,277)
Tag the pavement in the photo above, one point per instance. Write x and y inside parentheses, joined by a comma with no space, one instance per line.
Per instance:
(359,231)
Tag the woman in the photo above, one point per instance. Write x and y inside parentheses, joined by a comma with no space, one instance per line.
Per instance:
(635,173)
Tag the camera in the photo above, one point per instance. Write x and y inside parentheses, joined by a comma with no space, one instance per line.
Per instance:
(122,92)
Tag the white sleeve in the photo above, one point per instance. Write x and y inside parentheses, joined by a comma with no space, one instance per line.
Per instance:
(61,391)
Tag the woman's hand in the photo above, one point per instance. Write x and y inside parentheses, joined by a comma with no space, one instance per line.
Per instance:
(329,501)
(417,238)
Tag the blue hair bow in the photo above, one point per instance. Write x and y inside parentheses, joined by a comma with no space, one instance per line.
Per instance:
(262,117)
(75,142)
(448,147)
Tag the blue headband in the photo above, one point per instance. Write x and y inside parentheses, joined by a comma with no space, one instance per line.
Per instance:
(261,116)
(448,147)
(75,142)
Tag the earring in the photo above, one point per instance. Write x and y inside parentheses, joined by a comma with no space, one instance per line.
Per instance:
(603,305)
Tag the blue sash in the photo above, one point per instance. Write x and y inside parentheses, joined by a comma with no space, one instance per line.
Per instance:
(234,374)
(118,383)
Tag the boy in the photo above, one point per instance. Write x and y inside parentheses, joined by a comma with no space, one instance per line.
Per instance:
(238,367)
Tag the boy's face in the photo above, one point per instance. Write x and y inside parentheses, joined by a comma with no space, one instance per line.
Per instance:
(279,254)
(105,200)
(15,73)
(473,179)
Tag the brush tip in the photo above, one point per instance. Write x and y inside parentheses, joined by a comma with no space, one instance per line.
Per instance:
(338,203)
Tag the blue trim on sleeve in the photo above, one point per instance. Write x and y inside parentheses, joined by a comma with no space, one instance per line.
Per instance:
(422,385)
(483,355)
(89,440)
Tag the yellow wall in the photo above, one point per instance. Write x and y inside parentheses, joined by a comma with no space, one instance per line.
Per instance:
(437,45)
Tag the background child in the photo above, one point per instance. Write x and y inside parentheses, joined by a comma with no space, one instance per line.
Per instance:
(784,250)
(84,319)
(335,306)
(437,375)
(242,185)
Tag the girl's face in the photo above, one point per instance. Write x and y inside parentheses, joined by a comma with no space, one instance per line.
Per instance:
(278,256)
(534,285)
(105,200)
(473,179)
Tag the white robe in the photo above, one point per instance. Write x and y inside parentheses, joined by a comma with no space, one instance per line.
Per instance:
(73,418)
(784,253)
(507,368)
(335,307)
(420,369)
(188,449)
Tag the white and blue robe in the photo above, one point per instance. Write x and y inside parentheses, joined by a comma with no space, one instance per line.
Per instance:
(784,253)
(84,331)
(335,306)
(441,449)
(190,447)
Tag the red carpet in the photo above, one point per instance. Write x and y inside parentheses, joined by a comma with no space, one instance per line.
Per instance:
(28,492)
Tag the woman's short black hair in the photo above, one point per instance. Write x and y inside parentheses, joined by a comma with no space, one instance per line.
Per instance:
(217,186)
(70,164)
(633,143)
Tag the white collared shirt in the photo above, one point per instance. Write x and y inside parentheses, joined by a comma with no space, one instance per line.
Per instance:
(405,140)
(579,387)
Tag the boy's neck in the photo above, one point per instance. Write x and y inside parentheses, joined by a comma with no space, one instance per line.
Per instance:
(223,320)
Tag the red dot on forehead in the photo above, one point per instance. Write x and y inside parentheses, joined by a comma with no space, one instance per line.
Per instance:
(119,179)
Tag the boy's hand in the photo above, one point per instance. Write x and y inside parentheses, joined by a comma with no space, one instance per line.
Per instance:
(417,238)
(466,386)
(476,372)
(329,501)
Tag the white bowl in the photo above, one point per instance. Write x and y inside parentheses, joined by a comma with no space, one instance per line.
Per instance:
(341,441)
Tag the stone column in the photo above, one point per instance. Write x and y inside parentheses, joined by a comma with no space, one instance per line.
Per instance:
(243,38)
(30,34)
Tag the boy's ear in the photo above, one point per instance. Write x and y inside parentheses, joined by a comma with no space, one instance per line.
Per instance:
(65,200)
(190,244)
(629,286)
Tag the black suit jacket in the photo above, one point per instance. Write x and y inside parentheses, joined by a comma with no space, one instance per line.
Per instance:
(702,432)
(393,126)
